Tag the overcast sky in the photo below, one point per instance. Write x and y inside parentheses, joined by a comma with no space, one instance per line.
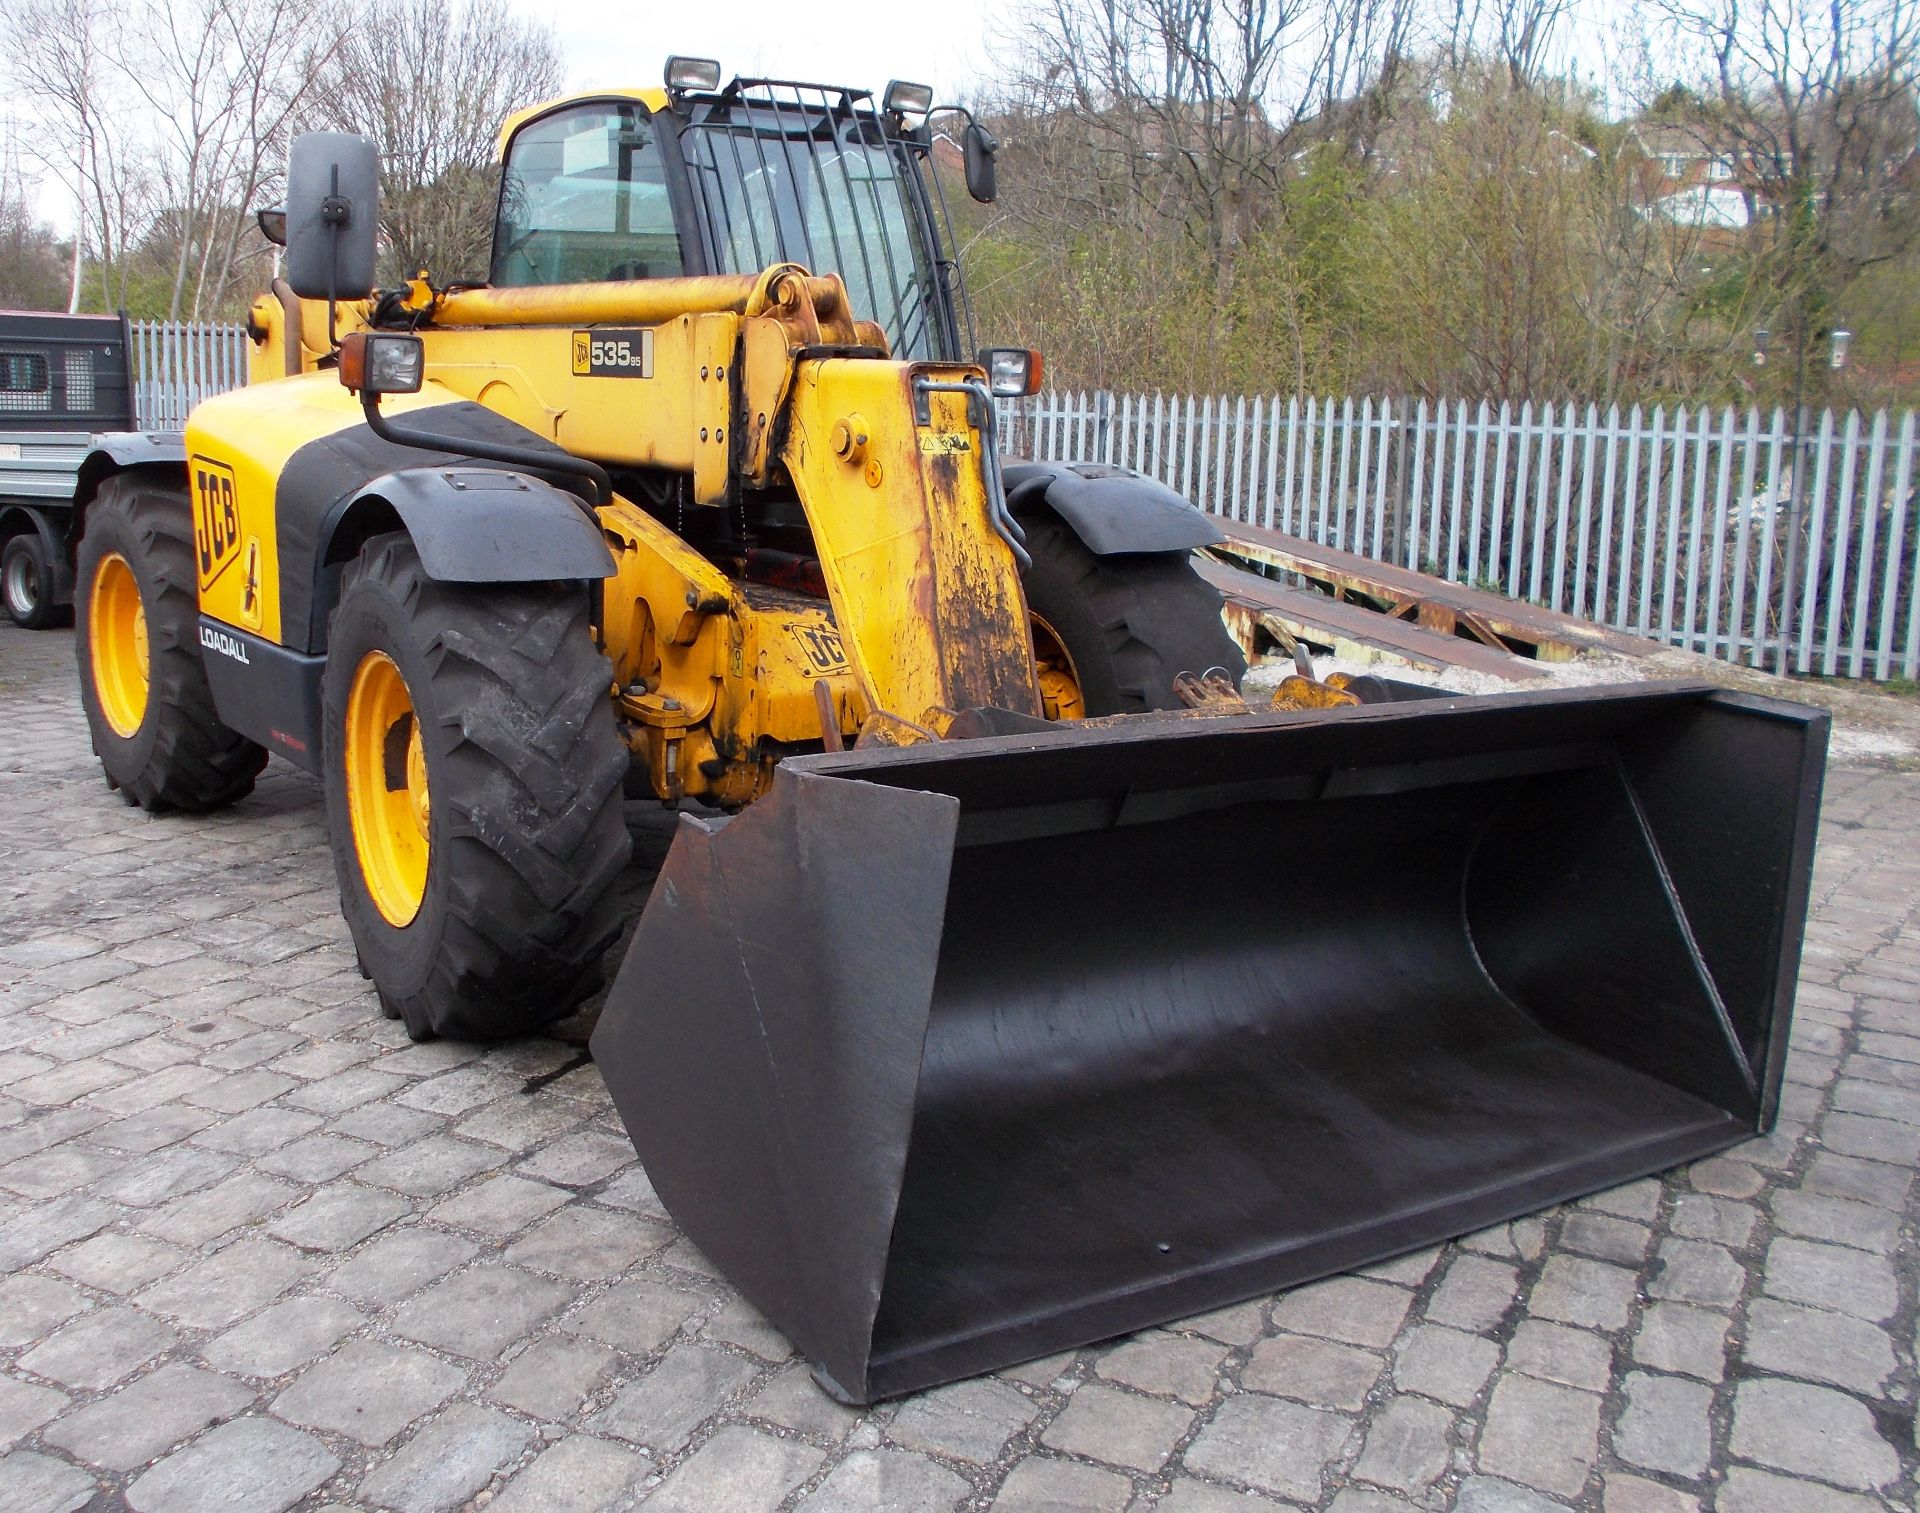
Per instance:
(854,42)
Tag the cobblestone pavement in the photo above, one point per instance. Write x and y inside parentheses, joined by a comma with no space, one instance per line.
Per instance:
(257,1251)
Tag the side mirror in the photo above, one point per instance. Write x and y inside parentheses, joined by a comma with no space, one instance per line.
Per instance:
(333,210)
(979,146)
(273,224)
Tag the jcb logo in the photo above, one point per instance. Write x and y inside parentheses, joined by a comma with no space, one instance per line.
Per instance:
(820,645)
(216,524)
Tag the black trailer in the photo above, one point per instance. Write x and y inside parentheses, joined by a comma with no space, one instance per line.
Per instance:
(63,378)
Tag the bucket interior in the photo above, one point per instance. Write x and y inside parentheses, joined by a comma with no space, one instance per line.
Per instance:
(1283,1037)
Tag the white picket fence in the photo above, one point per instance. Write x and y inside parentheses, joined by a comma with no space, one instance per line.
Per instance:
(1684,524)
(176,364)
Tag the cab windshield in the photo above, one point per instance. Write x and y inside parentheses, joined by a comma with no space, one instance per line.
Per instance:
(817,182)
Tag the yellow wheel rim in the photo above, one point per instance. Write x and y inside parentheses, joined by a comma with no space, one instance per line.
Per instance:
(387,795)
(1060,692)
(117,641)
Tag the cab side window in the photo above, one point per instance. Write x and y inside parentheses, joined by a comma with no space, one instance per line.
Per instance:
(25,383)
(584,200)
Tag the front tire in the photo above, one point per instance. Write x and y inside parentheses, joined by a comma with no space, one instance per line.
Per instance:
(474,776)
(26,582)
(142,683)
(1112,633)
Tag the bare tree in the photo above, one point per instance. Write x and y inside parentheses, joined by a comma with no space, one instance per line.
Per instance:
(431,81)
(33,272)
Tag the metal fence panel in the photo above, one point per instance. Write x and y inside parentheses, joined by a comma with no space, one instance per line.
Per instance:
(1767,539)
(176,364)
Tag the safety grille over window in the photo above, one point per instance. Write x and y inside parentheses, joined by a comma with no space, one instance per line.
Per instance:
(25,384)
(79,380)
(797,173)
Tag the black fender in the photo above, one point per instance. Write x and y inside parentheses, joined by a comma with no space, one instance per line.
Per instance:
(1111,509)
(116,451)
(38,520)
(486,525)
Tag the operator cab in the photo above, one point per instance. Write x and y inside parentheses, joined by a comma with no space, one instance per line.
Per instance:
(697,179)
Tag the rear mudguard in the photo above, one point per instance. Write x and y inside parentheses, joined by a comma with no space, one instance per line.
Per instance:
(1111,509)
(956,1055)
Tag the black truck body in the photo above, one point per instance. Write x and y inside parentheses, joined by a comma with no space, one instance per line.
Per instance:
(63,379)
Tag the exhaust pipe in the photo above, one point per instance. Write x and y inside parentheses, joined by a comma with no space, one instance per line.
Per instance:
(956,1055)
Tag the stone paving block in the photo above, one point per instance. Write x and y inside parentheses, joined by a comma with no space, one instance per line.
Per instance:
(1675,1337)
(1407,1446)
(1167,1365)
(181,1169)
(554,1375)
(479,1312)
(1717,1220)
(241,1091)
(970,1420)
(1314,1371)
(662,1410)
(1236,1324)
(1118,1427)
(1607,1237)
(887,1481)
(1055,1486)
(31,1306)
(1839,1220)
(317,1158)
(47,1226)
(1625,1493)
(637,1317)
(520,1121)
(1690,1271)
(741,1324)
(277,1339)
(337,1217)
(1832,1276)
(49,1173)
(1589,1294)
(1350,1309)
(1664,1426)
(448,1461)
(1749,1491)
(430,1167)
(456,1092)
(1811,1431)
(791,1400)
(1474,1293)
(125,1431)
(258,1131)
(586,1157)
(1445,1364)
(384,1125)
(399,1263)
(1190,1496)
(1871,1139)
(35,1483)
(368,1390)
(742,1470)
(118,1263)
(228,1285)
(1822,1346)
(250,1463)
(585,1243)
(98,1349)
(1874,1182)
(344,1090)
(153,1130)
(24,1407)
(1557,1353)
(204,1216)
(578,1475)
(1541,1434)
(1272,1445)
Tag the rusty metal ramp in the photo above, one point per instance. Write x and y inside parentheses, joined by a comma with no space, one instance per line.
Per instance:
(1372,610)
(960,1054)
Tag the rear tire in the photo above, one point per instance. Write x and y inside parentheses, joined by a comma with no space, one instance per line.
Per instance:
(142,683)
(26,582)
(479,886)
(1130,623)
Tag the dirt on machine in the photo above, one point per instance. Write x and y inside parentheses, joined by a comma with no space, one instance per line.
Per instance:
(1011,983)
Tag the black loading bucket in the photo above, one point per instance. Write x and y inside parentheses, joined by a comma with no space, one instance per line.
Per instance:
(957,1055)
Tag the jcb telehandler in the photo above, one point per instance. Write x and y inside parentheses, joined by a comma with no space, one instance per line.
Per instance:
(995,1000)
